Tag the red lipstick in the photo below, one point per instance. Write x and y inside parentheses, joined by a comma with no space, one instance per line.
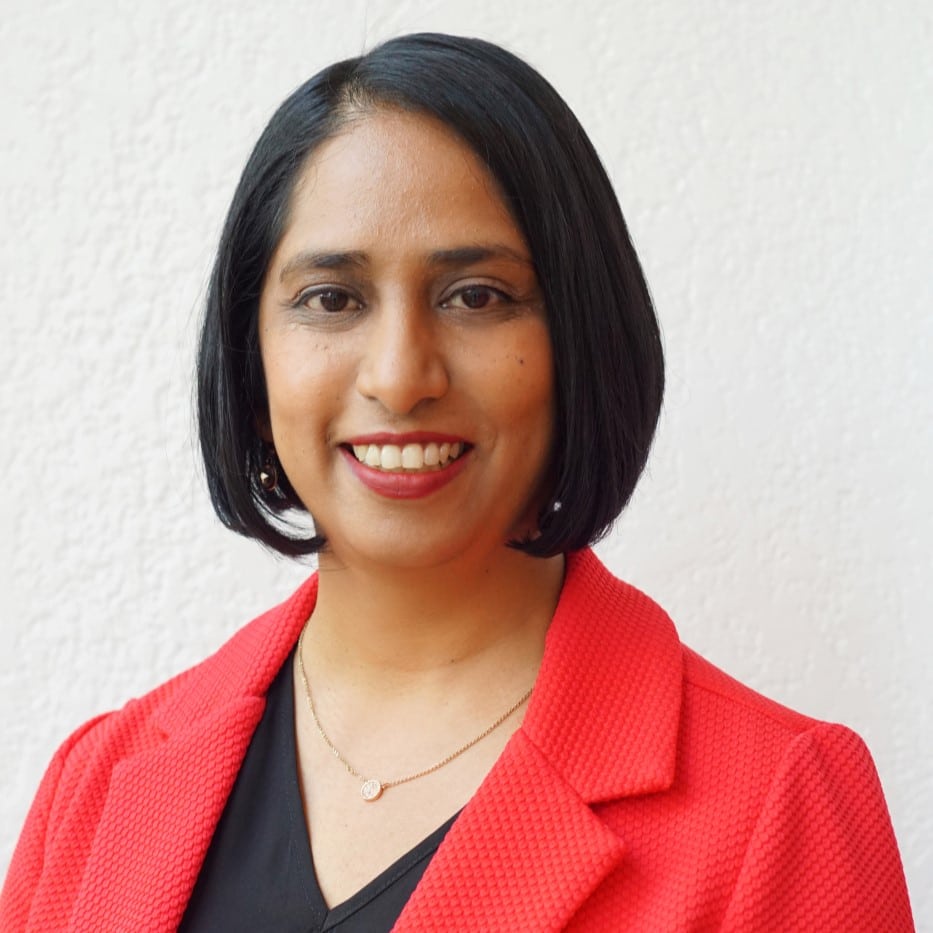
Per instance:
(404,485)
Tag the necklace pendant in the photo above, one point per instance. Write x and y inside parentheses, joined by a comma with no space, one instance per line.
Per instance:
(371,790)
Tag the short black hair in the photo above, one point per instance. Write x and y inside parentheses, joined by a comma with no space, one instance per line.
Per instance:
(608,359)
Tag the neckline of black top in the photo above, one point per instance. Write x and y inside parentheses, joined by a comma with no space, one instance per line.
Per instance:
(259,871)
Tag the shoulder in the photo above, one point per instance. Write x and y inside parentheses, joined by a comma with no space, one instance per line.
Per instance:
(759,816)
(241,669)
(109,782)
(244,666)
(802,797)
(709,693)
(763,743)
(714,706)
(720,749)
(198,722)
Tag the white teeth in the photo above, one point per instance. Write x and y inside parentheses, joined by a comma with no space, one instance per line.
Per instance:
(391,458)
(410,457)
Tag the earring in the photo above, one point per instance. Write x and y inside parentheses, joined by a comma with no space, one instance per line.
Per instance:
(269,472)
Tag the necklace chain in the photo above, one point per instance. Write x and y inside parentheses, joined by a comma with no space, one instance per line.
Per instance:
(372,788)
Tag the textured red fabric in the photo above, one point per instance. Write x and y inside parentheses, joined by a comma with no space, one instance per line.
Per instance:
(645,791)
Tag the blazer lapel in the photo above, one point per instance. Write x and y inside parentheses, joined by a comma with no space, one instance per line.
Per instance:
(169,787)
(602,724)
(606,706)
(161,809)
(523,855)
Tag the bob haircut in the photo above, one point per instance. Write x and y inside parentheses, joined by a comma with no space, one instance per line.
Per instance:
(608,360)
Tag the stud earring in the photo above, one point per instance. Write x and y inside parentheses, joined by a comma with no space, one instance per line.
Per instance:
(269,472)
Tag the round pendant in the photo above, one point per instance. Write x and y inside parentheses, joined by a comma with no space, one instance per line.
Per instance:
(371,790)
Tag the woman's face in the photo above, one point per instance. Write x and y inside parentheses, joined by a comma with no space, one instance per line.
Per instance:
(406,354)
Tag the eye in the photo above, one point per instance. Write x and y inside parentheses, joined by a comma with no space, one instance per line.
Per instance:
(475,297)
(328,299)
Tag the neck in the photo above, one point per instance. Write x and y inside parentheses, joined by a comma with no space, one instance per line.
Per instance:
(407,629)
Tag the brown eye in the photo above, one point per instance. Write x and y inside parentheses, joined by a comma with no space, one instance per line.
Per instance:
(333,300)
(476,297)
(329,300)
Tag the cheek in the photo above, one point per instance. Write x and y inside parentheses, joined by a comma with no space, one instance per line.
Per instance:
(526,385)
(530,408)
(300,377)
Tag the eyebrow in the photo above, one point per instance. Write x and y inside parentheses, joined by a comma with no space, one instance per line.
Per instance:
(466,255)
(459,256)
(312,260)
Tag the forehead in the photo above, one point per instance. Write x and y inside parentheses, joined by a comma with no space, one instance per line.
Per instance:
(393,180)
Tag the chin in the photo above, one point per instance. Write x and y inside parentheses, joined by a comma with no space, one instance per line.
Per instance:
(409,551)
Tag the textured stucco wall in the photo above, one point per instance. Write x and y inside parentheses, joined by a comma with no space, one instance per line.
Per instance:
(773,160)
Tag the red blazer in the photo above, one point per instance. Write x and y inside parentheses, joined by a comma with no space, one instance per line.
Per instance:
(644,791)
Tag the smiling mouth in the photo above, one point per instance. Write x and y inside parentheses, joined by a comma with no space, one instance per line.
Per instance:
(408,458)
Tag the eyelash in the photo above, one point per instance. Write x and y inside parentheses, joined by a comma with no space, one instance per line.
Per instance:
(319,291)
(499,297)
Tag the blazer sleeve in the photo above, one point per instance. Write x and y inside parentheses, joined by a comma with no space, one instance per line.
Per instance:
(823,854)
(26,867)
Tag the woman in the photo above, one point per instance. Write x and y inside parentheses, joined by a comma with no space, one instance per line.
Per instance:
(427,328)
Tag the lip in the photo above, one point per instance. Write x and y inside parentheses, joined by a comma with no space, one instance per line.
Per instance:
(403,485)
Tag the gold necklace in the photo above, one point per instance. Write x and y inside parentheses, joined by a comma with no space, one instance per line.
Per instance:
(371,788)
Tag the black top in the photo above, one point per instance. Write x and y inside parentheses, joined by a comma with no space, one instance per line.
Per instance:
(258,874)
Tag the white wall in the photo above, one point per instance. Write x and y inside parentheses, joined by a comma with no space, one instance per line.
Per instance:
(773,160)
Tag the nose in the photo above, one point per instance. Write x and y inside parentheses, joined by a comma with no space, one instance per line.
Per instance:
(403,362)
